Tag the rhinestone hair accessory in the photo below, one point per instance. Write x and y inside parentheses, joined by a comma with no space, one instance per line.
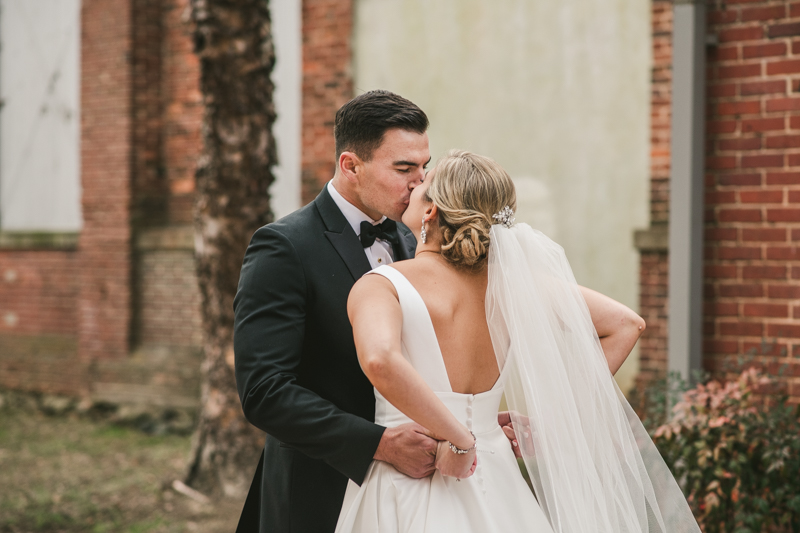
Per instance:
(505,217)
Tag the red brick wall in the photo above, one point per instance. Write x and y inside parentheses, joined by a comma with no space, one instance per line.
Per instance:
(327,85)
(660,111)
(74,306)
(752,266)
(148,183)
(653,271)
(38,324)
(166,306)
(170,299)
(104,307)
(38,292)
(752,255)
(90,320)
(182,111)
(653,287)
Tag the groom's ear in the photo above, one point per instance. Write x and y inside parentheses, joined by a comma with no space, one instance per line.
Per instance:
(349,165)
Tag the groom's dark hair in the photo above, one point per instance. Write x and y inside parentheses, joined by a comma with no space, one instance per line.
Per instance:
(361,123)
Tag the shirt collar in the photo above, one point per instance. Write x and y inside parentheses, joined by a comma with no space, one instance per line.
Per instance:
(353,214)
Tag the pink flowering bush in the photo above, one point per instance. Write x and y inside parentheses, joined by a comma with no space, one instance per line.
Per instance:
(736,456)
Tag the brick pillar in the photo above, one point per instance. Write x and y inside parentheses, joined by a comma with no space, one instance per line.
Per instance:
(148,181)
(753,189)
(327,85)
(104,302)
(183,112)
(653,304)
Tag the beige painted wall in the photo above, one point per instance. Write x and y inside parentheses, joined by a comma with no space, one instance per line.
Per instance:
(557,91)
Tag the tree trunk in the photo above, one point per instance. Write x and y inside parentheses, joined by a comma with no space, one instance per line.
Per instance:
(233,41)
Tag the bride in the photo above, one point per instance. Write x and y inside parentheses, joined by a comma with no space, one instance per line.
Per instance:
(490,308)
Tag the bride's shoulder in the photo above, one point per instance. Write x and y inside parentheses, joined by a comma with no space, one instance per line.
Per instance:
(372,284)
(369,293)
(410,267)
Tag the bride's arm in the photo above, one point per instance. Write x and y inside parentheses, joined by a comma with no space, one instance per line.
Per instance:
(617,326)
(377,320)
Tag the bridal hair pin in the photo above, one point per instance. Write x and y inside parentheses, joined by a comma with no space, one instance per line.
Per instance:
(505,217)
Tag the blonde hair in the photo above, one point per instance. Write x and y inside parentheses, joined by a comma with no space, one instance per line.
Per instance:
(468,189)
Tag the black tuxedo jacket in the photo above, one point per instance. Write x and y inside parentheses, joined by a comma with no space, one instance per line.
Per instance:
(296,368)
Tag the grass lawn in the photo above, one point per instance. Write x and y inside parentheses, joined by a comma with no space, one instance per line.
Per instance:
(73,475)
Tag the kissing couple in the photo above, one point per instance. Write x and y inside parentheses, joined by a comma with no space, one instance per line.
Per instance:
(377,330)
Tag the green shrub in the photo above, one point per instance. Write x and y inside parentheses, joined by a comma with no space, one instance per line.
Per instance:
(735,454)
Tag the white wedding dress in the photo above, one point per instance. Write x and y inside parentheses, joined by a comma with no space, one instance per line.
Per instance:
(494,499)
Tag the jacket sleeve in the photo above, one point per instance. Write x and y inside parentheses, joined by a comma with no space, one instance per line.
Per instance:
(270,311)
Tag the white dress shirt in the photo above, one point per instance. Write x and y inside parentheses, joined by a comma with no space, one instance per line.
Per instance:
(380,253)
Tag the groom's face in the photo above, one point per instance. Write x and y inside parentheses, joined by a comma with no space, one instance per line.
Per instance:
(396,168)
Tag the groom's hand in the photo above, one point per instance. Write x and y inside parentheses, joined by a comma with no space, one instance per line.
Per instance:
(409,448)
(504,420)
(520,438)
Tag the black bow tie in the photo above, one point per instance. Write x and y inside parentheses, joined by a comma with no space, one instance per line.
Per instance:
(386,230)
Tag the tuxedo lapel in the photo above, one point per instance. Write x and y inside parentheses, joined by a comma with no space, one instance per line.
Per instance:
(341,235)
(408,244)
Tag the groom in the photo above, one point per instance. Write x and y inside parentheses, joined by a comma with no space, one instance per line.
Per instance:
(296,367)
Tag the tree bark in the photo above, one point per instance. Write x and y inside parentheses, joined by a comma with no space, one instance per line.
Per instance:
(233,41)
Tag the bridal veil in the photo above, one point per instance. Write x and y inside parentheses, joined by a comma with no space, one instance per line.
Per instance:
(592,464)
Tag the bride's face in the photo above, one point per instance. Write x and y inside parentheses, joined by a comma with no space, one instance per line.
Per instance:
(418,205)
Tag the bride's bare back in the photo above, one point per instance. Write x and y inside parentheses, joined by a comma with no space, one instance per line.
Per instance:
(455,299)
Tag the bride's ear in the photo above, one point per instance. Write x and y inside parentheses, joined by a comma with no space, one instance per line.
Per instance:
(432,213)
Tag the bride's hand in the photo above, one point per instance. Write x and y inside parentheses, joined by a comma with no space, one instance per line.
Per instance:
(455,465)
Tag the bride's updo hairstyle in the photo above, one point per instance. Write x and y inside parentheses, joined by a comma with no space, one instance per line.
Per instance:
(468,189)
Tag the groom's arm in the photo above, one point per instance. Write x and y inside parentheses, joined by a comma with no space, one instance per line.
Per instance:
(270,311)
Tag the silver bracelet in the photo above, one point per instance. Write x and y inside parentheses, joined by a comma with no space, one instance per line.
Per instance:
(459,451)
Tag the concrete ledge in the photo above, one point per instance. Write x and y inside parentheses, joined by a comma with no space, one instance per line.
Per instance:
(159,376)
(38,240)
(652,239)
(138,394)
(166,238)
